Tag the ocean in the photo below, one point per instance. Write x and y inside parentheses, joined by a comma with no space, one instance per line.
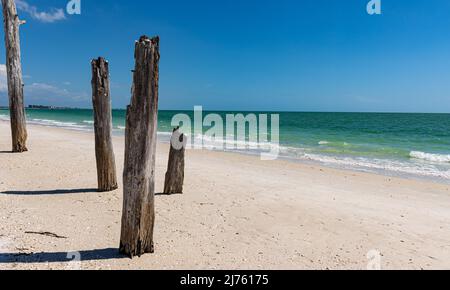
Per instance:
(407,145)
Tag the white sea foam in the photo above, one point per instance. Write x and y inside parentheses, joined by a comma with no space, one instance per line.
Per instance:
(212,143)
(53,123)
(159,133)
(380,165)
(419,164)
(165,133)
(397,167)
(430,157)
(334,143)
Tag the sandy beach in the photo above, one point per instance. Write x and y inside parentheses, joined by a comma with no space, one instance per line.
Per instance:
(237,212)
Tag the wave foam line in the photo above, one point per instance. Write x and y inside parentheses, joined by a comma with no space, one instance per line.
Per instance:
(441,158)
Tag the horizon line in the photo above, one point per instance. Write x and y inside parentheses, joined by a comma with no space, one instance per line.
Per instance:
(224,110)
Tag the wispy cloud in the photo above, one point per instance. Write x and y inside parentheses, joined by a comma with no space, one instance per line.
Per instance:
(3,79)
(53,15)
(43,93)
(48,92)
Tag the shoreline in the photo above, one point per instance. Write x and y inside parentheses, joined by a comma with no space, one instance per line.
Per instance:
(305,162)
(237,212)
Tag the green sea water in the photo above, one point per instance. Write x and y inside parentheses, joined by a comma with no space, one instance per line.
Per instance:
(411,145)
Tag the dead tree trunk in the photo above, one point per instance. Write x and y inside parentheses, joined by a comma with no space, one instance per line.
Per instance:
(138,215)
(104,152)
(14,71)
(175,169)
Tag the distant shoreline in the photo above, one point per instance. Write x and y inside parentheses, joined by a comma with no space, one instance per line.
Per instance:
(411,145)
(164,138)
(39,107)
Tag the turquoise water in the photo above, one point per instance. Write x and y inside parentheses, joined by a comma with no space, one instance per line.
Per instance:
(411,145)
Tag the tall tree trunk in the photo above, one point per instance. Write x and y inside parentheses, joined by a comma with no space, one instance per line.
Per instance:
(104,152)
(175,168)
(14,71)
(140,147)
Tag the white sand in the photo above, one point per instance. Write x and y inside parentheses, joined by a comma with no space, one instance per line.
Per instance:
(237,213)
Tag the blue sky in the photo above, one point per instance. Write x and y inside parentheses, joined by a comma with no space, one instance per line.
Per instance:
(311,55)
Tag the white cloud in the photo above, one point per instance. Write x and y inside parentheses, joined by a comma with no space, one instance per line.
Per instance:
(50,16)
(42,92)
(2,69)
(37,92)
(3,79)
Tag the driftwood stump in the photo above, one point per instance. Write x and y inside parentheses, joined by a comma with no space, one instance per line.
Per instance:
(140,147)
(175,168)
(104,152)
(14,71)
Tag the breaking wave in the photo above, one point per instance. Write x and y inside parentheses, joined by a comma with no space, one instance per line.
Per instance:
(430,157)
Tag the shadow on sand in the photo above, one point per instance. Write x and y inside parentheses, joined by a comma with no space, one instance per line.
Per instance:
(51,192)
(166,194)
(61,257)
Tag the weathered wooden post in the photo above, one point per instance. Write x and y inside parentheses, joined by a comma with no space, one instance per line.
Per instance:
(104,152)
(14,71)
(175,169)
(138,215)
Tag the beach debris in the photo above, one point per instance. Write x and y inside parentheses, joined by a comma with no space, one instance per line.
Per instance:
(138,214)
(14,76)
(104,151)
(48,234)
(175,169)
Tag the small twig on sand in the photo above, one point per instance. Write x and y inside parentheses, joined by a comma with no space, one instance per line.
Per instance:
(48,234)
